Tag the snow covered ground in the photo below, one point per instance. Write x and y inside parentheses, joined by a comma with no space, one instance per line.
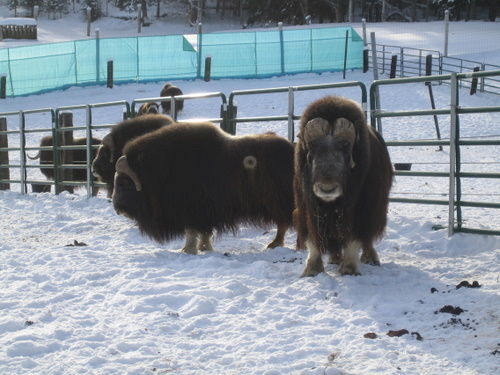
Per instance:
(114,302)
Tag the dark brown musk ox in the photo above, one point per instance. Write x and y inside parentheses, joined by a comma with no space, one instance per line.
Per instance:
(103,166)
(343,175)
(195,177)
(148,108)
(171,90)
(79,157)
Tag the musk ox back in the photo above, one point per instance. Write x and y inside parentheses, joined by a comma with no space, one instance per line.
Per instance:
(171,90)
(79,157)
(343,175)
(195,176)
(103,165)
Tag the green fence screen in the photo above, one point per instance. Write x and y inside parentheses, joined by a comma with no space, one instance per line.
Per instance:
(48,67)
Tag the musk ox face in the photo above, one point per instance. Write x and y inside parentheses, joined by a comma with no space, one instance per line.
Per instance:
(149,107)
(329,156)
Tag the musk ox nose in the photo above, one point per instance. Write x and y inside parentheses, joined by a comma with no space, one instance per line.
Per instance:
(327,191)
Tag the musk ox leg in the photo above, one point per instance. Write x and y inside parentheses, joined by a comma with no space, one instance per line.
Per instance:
(314,263)
(279,240)
(370,256)
(190,247)
(301,229)
(350,263)
(205,242)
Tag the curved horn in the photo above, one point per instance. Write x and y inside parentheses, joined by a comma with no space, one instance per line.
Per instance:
(37,156)
(315,128)
(108,141)
(123,167)
(345,129)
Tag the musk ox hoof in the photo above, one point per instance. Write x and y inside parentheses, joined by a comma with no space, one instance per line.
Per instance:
(313,270)
(349,269)
(275,243)
(370,257)
(189,251)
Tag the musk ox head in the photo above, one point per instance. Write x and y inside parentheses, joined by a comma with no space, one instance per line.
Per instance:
(126,196)
(149,107)
(329,154)
(110,151)
(171,90)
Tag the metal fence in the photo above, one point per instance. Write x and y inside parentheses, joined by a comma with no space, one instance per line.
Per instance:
(411,62)
(229,121)
(455,175)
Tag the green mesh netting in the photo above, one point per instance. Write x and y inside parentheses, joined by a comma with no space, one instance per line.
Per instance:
(48,67)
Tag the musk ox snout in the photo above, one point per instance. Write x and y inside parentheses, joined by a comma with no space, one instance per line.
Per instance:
(327,191)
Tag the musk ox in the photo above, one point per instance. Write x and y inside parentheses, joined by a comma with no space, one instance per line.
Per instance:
(194,178)
(171,90)
(149,107)
(79,157)
(343,175)
(103,166)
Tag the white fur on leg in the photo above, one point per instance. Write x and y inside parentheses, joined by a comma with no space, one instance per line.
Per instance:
(190,247)
(350,263)
(314,264)
(205,243)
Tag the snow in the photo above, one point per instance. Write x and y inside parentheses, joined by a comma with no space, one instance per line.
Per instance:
(122,304)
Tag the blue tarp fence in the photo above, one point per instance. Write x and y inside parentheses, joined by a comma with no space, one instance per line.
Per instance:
(53,66)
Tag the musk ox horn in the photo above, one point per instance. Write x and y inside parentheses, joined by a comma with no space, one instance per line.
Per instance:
(345,129)
(315,128)
(123,167)
(250,162)
(108,141)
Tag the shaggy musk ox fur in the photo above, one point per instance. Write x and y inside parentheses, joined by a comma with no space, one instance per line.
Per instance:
(79,157)
(195,177)
(171,90)
(103,165)
(343,175)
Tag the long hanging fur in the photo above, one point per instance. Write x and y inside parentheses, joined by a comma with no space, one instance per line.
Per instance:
(196,176)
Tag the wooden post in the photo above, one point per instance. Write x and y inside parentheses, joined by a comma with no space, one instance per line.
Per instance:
(67,155)
(3,87)
(4,155)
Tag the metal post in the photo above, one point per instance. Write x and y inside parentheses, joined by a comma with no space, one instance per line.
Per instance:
(88,153)
(345,51)
(363,21)
(446,29)
(481,84)
(139,19)
(66,139)
(89,16)
(428,72)
(173,109)
(375,77)
(282,47)
(394,62)
(453,145)
(401,63)
(97,56)
(200,44)
(4,155)
(22,150)
(291,109)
